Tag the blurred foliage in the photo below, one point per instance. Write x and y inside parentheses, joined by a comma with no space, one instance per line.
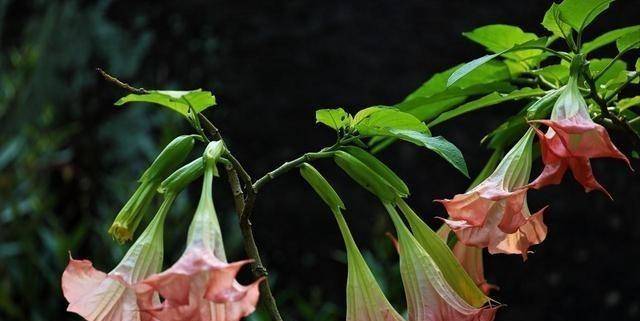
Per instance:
(49,164)
(67,159)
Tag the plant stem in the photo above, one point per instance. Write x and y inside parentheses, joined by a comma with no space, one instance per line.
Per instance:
(234,172)
(287,166)
(307,157)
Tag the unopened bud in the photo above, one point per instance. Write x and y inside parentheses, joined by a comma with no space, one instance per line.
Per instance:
(169,158)
(182,177)
(365,176)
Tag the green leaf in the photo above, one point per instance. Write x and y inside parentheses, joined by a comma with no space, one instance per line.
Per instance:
(380,120)
(321,186)
(580,13)
(598,65)
(627,103)
(607,38)
(380,168)
(334,118)
(498,38)
(555,74)
(438,144)
(486,101)
(629,41)
(427,108)
(638,65)
(470,66)
(178,101)
(553,23)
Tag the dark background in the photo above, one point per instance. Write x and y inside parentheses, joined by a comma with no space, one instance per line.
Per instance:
(68,158)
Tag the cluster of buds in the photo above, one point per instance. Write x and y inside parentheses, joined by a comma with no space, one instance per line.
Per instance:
(200,286)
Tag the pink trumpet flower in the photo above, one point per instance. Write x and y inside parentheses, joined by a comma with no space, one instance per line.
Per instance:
(571,140)
(365,299)
(495,214)
(201,285)
(430,295)
(97,296)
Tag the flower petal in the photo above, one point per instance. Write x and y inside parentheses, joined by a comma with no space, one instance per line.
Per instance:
(198,285)
(429,296)
(96,296)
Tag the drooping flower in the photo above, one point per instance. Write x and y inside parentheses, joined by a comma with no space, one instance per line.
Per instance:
(365,299)
(201,285)
(430,294)
(495,213)
(470,257)
(571,140)
(98,296)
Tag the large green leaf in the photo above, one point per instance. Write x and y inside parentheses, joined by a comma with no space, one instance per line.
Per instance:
(553,23)
(178,101)
(334,118)
(381,120)
(434,97)
(472,65)
(627,103)
(509,131)
(614,71)
(556,74)
(580,13)
(425,108)
(607,38)
(438,144)
(486,101)
(630,40)
(490,73)
(498,38)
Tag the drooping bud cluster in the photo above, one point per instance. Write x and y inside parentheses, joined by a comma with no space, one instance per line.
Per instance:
(200,286)
(135,209)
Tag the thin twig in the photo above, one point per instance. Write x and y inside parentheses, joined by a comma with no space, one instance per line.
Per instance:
(121,84)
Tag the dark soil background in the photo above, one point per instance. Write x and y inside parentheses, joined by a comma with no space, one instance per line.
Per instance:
(271,64)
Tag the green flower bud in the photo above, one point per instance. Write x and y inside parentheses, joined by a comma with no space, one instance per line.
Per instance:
(129,217)
(212,154)
(365,176)
(182,177)
(380,168)
(132,212)
(169,158)
(321,186)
